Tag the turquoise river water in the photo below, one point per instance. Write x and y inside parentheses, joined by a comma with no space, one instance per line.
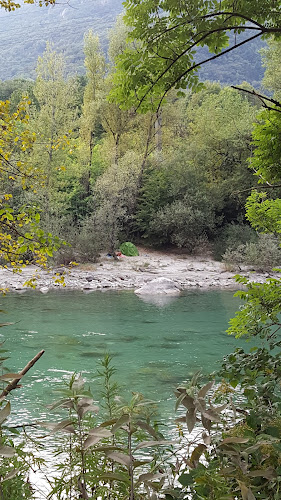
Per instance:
(155,345)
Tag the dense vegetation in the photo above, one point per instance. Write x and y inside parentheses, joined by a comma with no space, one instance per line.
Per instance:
(176,176)
(75,164)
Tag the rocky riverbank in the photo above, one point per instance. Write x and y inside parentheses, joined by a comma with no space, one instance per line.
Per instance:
(131,273)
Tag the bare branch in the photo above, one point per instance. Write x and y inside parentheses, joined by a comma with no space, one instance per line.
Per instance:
(10,387)
(262,98)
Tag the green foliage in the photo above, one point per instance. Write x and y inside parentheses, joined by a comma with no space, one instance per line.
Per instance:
(264,214)
(104,458)
(20,232)
(154,194)
(185,222)
(271,59)
(167,35)
(231,237)
(261,255)
(261,310)
(266,156)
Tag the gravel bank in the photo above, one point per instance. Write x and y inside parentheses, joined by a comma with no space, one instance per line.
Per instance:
(131,273)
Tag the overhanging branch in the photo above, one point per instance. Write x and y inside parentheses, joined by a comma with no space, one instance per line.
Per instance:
(262,98)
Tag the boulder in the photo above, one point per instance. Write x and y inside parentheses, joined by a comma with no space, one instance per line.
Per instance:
(159,286)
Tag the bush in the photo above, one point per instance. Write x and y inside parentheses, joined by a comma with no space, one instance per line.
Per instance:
(262,255)
(184,223)
(231,237)
(83,245)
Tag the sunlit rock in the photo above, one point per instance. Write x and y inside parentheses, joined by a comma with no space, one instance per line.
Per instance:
(163,286)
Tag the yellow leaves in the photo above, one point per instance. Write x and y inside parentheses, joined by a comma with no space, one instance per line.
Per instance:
(31,283)
(16,143)
(59,279)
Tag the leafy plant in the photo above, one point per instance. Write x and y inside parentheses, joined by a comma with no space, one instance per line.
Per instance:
(262,255)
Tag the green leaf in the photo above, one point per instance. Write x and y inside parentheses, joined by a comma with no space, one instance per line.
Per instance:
(205,389)
(7,451)
(190,419)
(11,474)
(64,426)
(120,422)
(121,458)
(186,479)
(197,452)
(91,440)
(148,428)
(114,476)
(269,473)
(5,412)
(234,440)
(10,376)
(246,492)
(150,476)
(100,431)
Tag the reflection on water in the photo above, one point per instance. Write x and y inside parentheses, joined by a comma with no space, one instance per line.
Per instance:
(155,345)
(160,300)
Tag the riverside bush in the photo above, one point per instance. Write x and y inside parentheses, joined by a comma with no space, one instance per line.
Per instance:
(233,236)
(262,255)
(184,222)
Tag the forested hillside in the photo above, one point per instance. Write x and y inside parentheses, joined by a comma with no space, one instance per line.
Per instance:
(24,34)
(177,176)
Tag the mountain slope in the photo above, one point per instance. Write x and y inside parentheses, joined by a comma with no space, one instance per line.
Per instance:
(24,33)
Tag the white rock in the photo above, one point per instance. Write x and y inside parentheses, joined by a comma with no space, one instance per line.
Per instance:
(159,286)
(44,289)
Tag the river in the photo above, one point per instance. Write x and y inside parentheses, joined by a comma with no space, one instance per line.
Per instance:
(156,343)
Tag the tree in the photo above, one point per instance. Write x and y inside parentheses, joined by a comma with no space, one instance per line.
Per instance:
(271,59)
(166,34)
(53,121)
(263,209)
(21,237)
(94,93)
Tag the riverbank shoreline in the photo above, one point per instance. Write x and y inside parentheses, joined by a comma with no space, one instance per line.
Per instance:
(186,271)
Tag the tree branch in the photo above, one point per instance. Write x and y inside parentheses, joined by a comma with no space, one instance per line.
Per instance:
(10,387)
(197,65)
(262,98)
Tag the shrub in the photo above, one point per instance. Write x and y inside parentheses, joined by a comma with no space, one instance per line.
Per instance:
(184,222)
(262,255)
(231,237)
